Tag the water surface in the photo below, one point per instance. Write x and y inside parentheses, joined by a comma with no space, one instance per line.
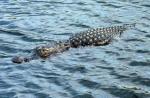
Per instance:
(119,70)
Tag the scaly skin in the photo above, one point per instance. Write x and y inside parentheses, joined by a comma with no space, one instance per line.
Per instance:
(95,37)
(98,36)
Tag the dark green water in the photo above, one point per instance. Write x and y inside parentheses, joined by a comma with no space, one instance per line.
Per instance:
(119,70)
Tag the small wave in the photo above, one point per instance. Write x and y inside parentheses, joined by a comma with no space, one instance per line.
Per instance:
(84,96)
(89,83)
(146,5)
(139,63)
(11,32)
(143,51)
(147,35)
(112,53)
(134,40)
(113,5)
(80,25)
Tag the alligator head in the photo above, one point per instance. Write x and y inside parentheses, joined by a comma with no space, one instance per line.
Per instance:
(43,52)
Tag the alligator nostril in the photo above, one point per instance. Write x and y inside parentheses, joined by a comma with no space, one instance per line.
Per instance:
(17,59)
(26,59)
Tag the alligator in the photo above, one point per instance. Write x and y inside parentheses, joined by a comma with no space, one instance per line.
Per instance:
(91,37)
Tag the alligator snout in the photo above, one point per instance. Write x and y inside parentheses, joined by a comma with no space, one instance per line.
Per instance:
(19,59)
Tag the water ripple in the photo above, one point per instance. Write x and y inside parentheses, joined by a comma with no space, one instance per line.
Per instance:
(118,70)
(139,63)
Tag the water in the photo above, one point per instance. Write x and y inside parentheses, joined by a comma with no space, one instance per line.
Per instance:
(119,70)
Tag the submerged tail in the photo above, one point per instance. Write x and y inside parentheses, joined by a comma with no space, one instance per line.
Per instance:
(129,26)
(125,27)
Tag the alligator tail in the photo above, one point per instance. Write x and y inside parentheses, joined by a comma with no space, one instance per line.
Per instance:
(129,26)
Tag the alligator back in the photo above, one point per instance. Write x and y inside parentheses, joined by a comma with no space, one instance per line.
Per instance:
(97,36)
(51,49)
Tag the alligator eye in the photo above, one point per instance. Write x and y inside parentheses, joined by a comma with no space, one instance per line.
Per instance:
(46,49)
